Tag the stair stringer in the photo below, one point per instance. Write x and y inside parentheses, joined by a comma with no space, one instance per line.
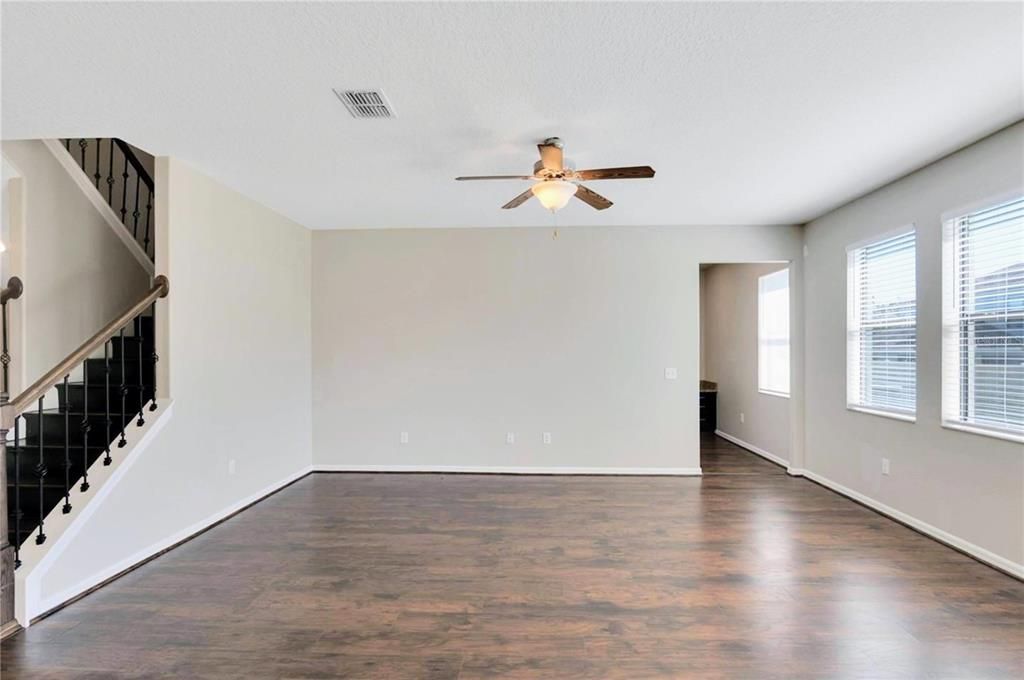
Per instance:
(81,180)
(61,529)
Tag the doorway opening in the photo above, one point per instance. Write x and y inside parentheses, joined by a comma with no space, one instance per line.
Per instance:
(745,368)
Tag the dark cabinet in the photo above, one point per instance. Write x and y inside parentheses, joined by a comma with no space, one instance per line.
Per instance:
(708,411)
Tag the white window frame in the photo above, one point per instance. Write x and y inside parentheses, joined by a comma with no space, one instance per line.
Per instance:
(853,350)
(761,387)
(951,379)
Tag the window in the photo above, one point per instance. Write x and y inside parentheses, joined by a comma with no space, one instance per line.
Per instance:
(773,333)
(983,320)
(881,354)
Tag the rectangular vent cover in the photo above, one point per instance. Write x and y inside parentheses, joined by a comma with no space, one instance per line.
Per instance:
(366,103)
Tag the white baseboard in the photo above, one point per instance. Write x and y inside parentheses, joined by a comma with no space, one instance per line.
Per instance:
(983,555)
(56,600)
(767,455)
(502,470)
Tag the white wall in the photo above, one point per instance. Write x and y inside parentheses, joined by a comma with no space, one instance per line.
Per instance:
(238,354)
(12,263)
(729,325)
(967,485)
(77,273)
(459,336)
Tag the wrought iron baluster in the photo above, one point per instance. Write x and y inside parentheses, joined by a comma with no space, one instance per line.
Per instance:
(156,358)
(110,176)
(82,145)
(67,448)
(17,492)
(136,213)
(41,474)
(85,427)
(124,395)
(149,210)
(5,355)
(96,174)
(142,397)
(106,399)
(124,190)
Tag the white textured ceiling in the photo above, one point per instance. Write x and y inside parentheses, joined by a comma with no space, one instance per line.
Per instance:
(760,113)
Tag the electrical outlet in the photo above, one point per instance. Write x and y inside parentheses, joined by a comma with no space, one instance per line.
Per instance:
(885,466)
(743,418)
(403,438)
(547,437)
(510,438)
(671,373)
(231,466)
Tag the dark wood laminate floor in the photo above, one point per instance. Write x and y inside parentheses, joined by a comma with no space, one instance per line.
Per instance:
(747,573)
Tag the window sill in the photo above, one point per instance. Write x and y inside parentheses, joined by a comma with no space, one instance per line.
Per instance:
(994,434)
(904,417)
(770,393)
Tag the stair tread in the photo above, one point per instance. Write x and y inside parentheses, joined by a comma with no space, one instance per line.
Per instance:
(99,385)
(23,444)
(57,411)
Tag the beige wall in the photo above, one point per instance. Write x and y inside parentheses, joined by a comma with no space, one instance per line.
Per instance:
(967,485)
(729,326)
(238,354)
(78,274)
(460,336)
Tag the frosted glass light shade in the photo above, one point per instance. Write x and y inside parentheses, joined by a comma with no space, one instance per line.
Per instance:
(553,194)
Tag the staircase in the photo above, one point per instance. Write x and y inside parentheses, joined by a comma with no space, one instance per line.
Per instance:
(119,174)
(89,406)
(54,447)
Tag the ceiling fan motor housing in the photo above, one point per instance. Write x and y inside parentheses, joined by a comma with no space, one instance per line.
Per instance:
(541,172)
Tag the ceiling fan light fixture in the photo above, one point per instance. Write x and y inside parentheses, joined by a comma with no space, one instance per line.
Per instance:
(554,194)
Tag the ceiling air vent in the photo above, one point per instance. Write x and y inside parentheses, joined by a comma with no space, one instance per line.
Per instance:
(366,103)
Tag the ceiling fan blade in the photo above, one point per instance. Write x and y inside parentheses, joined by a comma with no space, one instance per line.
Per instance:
(550,157)
(518,200)
(592,198)
(632,172)
(463,179)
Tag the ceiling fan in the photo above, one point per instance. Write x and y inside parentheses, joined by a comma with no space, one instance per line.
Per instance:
(556,181)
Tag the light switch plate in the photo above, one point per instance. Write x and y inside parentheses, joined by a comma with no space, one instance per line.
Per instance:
(510,438)
(404,438)
(547,437)
(671,373)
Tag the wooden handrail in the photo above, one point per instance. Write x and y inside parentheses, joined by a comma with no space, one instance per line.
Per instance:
(161,286)
(135,162)
(12,291)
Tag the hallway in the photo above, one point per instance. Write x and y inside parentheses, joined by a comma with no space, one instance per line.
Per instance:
(746,573)
(721,457)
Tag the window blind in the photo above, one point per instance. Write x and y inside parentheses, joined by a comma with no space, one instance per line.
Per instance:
(882,325)
(983,319)
(773,333)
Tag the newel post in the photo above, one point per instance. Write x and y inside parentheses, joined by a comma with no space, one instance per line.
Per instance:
(6,549)
(12,291)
